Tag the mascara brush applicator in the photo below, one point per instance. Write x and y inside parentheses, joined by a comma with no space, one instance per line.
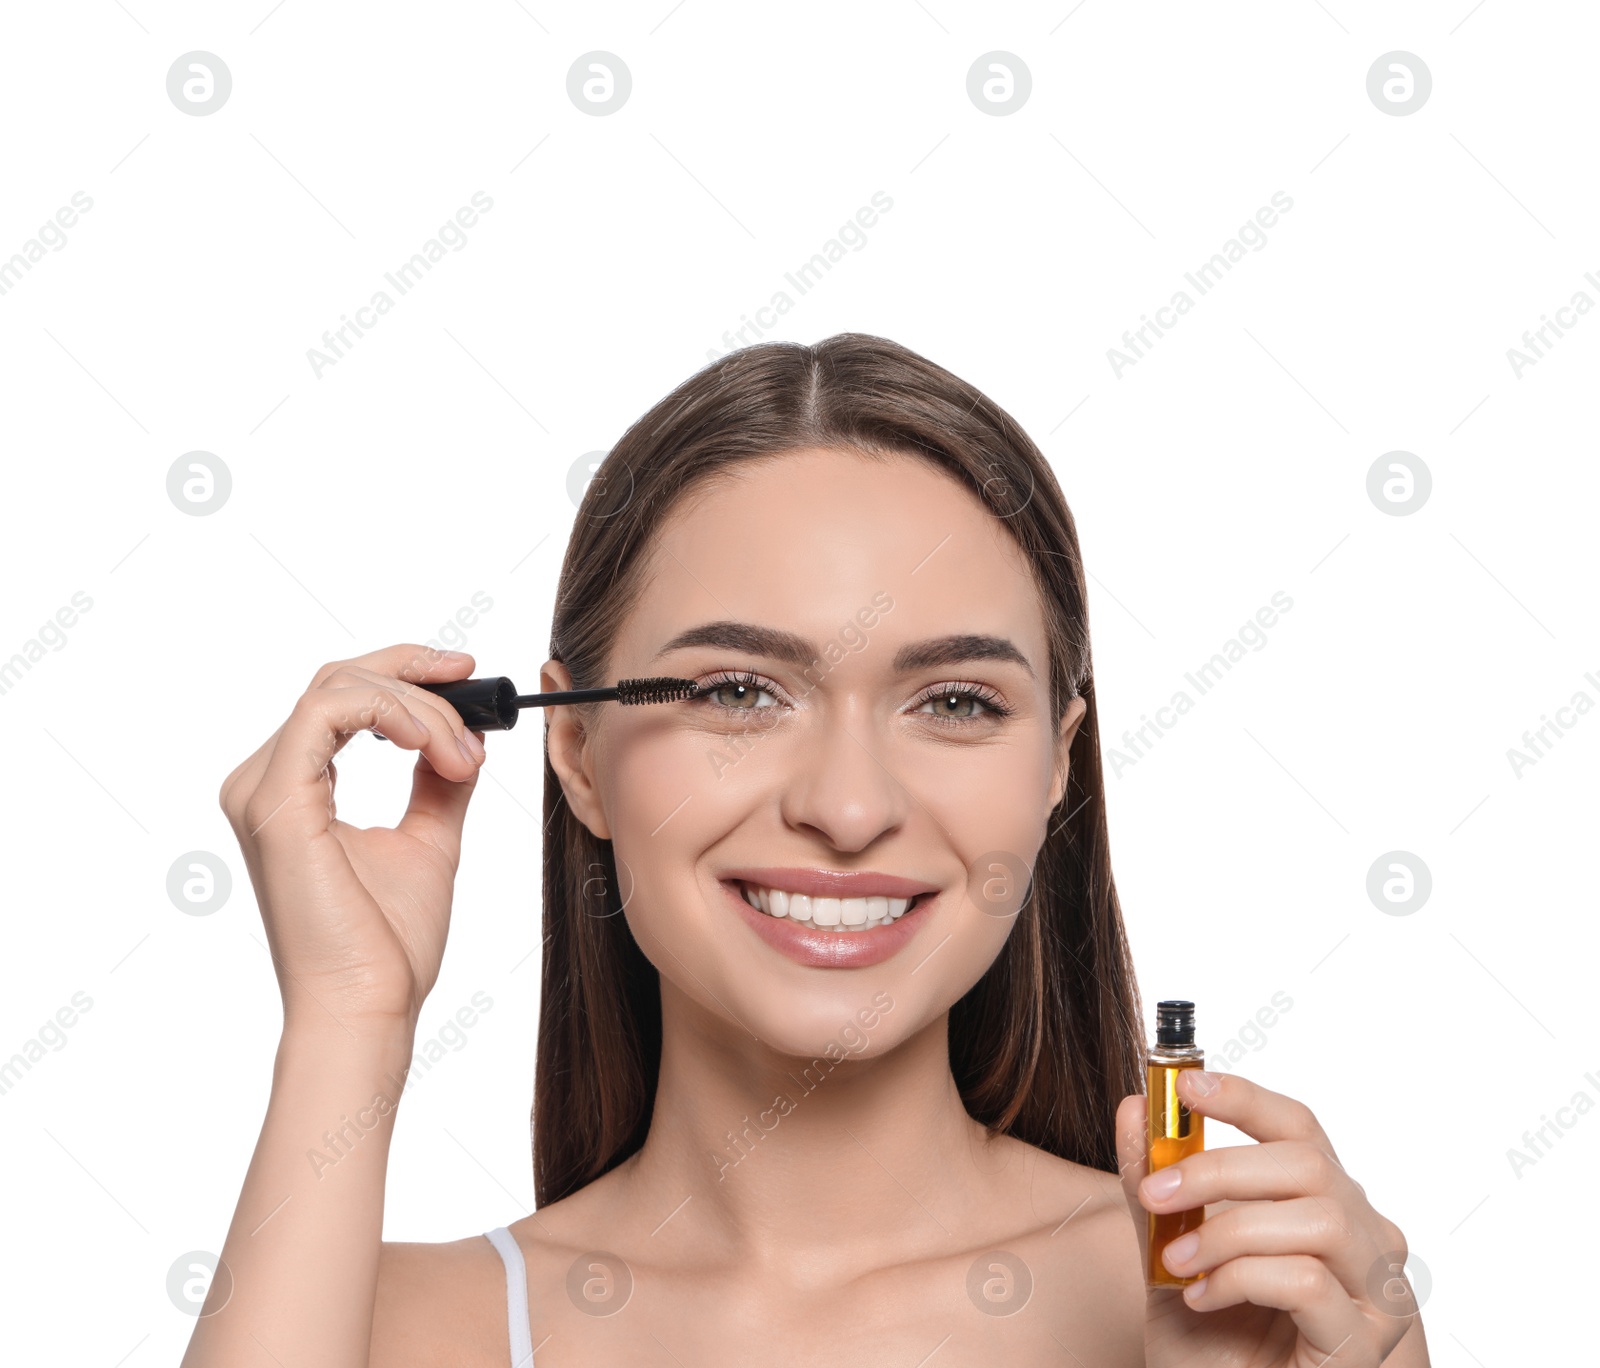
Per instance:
(493,703)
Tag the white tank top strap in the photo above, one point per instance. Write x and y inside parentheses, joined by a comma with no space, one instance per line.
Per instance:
(517,1319)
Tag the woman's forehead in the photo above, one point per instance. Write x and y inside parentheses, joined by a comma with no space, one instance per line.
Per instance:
(828,506)
(809,545)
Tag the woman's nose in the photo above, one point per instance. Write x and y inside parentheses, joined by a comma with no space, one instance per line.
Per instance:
(842,783)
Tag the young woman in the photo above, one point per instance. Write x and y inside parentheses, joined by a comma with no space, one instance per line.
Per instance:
(840,1046)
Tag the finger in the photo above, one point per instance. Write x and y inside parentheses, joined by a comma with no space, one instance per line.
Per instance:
(1317,1226)
(1269,1171)
(1331,1323)
(421,702)
(1133,1163)
(407,660)
(1259,1112)
(438,808)
(443,722)
(321,722)
(244,778)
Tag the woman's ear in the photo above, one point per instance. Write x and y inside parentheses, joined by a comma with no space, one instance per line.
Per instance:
(571,756)
(1069,728)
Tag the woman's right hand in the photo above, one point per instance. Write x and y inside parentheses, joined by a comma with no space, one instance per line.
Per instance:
(356,917)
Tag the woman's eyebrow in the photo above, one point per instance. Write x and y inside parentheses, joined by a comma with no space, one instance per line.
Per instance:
(752,639)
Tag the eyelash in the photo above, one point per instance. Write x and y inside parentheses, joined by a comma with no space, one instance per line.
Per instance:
(955,689)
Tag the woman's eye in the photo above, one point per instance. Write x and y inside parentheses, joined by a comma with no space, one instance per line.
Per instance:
(952,705)
(961,705)
(965,705)
(735,695)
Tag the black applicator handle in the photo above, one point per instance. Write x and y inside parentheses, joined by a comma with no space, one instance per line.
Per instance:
(493,703)
(484,704)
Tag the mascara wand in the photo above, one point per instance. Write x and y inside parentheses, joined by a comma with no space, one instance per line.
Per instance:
(493,703)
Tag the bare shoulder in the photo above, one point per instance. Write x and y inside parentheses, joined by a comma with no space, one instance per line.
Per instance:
(1058,1232)
(1087,1204)
(439,1303)
(1088,1259)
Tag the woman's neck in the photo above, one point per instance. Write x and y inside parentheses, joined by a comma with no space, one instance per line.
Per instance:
(831,1162)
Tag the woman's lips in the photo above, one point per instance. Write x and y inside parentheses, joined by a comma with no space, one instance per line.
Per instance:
(830,949)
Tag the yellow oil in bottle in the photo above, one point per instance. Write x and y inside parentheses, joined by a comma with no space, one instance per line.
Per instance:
(1174,1131)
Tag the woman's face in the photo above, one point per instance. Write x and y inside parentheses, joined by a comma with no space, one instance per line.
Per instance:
(854,757)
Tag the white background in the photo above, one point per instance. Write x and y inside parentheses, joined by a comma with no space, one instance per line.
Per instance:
(371,502)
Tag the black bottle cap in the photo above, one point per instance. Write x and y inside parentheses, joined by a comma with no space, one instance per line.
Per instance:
(1174,1022)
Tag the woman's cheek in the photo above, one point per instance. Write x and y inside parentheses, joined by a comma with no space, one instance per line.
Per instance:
(990,801)
(666,809)
(656,766)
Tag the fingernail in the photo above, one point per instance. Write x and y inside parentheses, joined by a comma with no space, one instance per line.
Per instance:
(466,752)
(1162,1183)
(1202,1083)
(455,655)
(1182,1249)
(1195,1290)
(418,723)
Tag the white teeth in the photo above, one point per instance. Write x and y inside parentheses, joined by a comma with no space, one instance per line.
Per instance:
(828,914)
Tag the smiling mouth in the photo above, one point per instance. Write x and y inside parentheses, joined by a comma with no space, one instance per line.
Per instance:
(844,916)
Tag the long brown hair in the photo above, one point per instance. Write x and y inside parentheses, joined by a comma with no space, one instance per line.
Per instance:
(1049,1040)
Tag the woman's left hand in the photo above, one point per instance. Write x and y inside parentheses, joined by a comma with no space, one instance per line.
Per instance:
(1300,1271)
